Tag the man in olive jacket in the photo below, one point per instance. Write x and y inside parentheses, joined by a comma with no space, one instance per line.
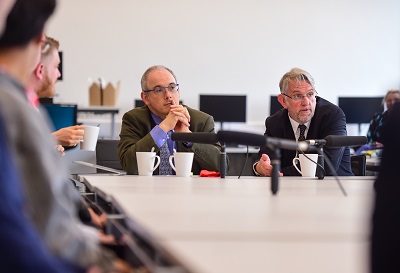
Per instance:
(151,125)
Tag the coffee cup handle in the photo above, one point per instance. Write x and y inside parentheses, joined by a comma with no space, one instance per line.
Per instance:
(157,163)
(294,164)
(170,162)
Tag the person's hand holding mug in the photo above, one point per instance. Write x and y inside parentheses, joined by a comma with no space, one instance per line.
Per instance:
(69,136)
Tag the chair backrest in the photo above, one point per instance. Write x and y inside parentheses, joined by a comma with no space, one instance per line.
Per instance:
(107,154)
(274,105)
(358,164)
(138,103)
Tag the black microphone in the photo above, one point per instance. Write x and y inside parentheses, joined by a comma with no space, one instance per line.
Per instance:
(315,142)
(251,139)
(222,161)
(241,138)
(335,141)
(287,144)
(196,137)
(342,141)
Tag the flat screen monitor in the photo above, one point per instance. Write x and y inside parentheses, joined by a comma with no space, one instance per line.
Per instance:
(224,108)
(274,105)
(62,115)
(360,109)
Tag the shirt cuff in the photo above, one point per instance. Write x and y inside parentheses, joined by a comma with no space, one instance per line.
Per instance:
(254,169)
(158,135)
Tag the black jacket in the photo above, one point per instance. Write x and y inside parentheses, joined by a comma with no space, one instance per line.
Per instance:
(328,119)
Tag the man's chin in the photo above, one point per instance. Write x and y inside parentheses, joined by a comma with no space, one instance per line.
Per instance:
(305,118)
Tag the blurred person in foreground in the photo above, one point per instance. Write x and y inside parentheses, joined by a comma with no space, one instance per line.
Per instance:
(151,125)
(51,200)
(18,236)
(386,211)
(5,6)
(304,116)
(43,80)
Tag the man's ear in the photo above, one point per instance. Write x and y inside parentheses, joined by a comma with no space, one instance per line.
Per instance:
(39,71)
(144,97)
(281,99)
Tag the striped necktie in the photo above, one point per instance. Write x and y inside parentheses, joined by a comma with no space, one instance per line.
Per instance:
(302,128)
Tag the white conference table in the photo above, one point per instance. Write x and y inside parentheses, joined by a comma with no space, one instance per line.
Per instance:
(237,225)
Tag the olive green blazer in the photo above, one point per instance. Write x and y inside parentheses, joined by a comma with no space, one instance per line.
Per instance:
(135,137)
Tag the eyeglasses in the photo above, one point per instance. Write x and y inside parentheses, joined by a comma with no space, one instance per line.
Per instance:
(160,90)
(298,97)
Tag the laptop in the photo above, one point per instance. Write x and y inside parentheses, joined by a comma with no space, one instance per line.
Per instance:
(118,172)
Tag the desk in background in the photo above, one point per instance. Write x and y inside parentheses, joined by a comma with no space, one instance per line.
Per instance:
(236,225)
(101,110)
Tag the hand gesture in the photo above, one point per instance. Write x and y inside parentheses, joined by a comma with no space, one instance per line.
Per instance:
(264,166)
(177,119)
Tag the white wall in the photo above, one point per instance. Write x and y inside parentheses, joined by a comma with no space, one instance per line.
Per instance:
(351,47)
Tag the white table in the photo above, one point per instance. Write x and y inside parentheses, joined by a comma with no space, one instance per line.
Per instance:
(230,225)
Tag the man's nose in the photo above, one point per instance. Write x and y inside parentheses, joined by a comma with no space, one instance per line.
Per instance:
(167,93)
(305,100)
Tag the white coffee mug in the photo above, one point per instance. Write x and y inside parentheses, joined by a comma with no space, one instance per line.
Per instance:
(183,163)
(91,133)
(145,163)
(308,167)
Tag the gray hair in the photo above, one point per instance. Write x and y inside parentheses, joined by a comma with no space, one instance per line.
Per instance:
(295,74)
(391,91)
(143,81)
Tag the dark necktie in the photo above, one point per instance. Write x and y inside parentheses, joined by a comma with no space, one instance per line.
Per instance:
(302,128)
(165,168)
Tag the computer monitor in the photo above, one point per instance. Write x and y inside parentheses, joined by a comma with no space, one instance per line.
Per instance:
(360,109)
(62,115)
(224,108)
(274,105)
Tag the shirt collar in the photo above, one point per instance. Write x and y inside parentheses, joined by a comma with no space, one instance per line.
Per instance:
(156,119)
(295,125)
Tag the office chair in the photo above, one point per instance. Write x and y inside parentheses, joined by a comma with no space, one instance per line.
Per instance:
(107,154)
(358,164)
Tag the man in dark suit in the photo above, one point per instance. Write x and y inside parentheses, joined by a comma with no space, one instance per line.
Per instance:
(151,125)
(304,116)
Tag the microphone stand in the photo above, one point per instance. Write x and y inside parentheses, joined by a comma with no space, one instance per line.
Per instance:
(276,165)
(320,170)
(222,160)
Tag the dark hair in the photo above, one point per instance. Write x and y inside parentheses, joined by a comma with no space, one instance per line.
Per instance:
(26,22)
